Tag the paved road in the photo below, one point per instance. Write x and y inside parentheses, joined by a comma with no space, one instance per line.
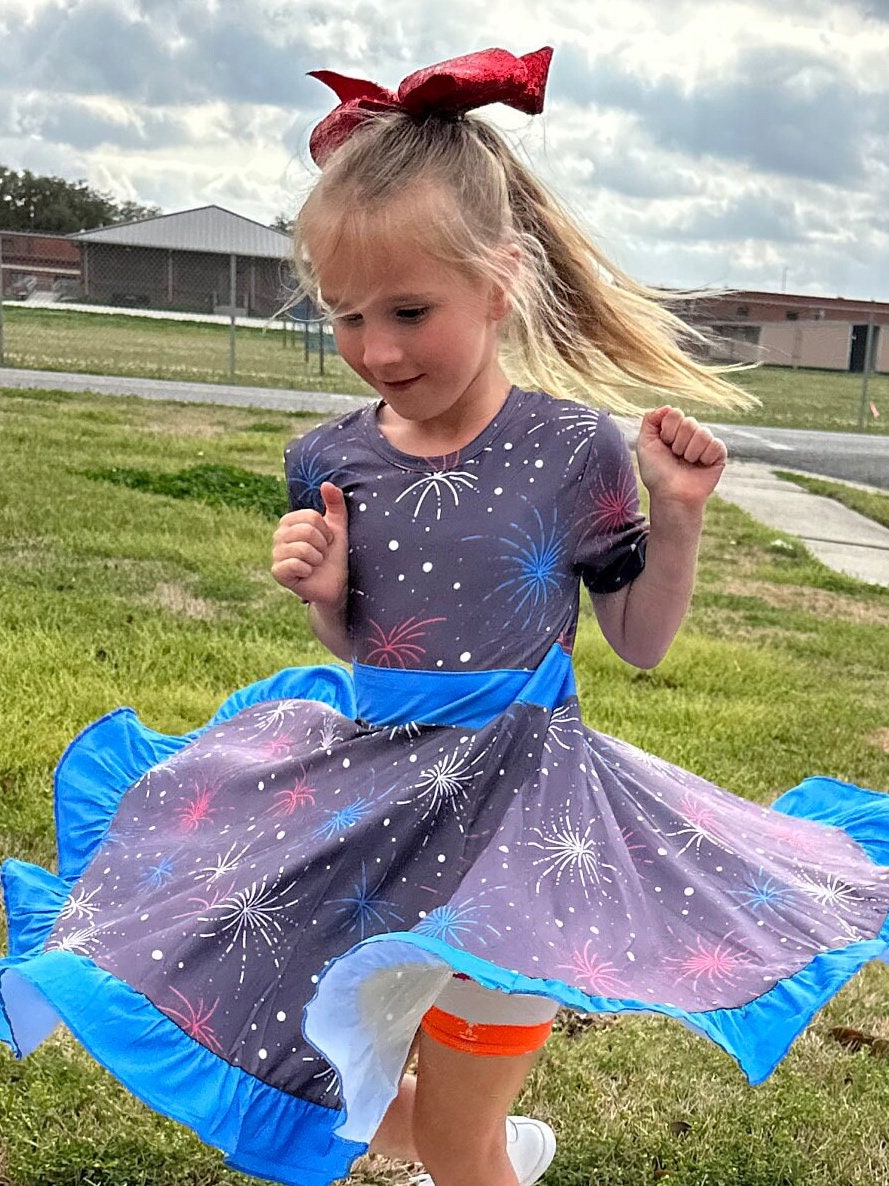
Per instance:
(851,457)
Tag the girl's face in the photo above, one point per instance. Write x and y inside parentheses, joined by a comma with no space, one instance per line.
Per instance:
(421,333)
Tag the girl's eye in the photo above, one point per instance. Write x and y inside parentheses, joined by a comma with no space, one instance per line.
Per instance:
(414,313)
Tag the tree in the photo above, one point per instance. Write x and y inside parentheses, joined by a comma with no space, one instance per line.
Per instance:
(29,202)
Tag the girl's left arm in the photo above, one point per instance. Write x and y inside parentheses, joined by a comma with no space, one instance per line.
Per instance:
(680,463)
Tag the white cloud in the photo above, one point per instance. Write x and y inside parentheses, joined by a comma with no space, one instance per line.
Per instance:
(705,142)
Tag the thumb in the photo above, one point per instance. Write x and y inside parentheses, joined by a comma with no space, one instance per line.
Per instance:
(335,514)
(652,422)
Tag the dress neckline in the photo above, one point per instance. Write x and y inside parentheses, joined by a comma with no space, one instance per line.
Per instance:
(384,447)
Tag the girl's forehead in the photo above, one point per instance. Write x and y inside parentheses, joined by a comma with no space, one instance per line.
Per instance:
(381,263)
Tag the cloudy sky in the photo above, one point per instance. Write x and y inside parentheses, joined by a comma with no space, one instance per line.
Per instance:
(706,143)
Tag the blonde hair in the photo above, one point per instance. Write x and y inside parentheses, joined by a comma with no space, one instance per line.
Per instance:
(578,326)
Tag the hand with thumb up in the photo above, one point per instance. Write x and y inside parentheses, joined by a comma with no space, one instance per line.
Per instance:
(310,552)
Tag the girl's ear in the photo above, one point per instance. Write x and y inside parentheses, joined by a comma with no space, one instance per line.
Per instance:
(501,293)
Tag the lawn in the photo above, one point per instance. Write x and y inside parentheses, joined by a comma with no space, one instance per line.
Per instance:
(65,340)
(112,592)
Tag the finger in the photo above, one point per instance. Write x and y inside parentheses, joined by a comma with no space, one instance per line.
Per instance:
(303,518)
(670,424)
(300,550)
(291,570)
(683,435)
(715,454)
(317,534)
(335,512)
(699,442)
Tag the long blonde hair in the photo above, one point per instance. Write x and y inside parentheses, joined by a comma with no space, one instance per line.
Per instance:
(578,325)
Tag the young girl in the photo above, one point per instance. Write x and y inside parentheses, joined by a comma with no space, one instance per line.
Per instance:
(256,925)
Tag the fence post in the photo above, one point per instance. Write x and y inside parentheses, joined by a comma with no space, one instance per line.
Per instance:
(320,347)
(2,344)
(868,342)
(232,301)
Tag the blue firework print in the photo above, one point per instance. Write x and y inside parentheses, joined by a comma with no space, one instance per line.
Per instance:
(366,911)
(340,819)
(305,477)
(158,874)
(533,561)
(457,922)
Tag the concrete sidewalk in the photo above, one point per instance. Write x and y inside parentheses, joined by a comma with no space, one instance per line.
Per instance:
(842,539)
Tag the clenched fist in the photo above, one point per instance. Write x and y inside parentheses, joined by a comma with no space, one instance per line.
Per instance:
(310,551)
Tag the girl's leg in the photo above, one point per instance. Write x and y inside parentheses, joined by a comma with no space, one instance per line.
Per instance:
(460,1107)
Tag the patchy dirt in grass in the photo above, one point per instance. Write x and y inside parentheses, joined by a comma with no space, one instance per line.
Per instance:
(179,601)
(879,738)
(820,603)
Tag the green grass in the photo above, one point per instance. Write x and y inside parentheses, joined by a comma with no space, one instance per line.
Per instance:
(867,502)
(114,594)
(60,339)
(194,352)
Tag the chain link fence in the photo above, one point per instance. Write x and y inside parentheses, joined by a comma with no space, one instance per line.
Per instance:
(182,311)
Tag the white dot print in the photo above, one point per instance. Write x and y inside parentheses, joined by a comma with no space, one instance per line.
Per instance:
(427,567)
(466,656)
(393,545)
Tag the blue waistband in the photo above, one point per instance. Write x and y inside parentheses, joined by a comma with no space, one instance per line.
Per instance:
(390,696)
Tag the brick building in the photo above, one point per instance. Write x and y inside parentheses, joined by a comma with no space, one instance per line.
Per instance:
(34,263)
(784,329)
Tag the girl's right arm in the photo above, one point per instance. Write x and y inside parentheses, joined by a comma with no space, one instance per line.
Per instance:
(310,558)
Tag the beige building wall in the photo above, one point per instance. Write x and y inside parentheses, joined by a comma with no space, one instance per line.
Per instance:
(882,360)
(823,344)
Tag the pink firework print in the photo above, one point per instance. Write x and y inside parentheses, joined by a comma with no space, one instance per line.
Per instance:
(702,824)
(721,964)
(198,810)
(613,503)
(288,799)
(195,1020)
(400,646)
(597,976)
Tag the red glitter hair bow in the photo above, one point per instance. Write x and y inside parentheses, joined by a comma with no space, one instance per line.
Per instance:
(448,88)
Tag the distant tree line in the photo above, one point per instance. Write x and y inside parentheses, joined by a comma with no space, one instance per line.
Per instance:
(54,206)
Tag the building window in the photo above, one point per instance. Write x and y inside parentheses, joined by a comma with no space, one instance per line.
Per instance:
(792,316)
(743,311)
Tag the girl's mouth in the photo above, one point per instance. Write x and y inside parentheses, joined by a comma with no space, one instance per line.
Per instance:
(399,384)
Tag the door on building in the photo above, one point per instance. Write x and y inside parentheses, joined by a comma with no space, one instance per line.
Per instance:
(859,347)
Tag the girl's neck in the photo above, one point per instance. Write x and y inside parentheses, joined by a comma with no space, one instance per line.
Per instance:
(447,433)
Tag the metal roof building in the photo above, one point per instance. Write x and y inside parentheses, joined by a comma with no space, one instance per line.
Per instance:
(207,260)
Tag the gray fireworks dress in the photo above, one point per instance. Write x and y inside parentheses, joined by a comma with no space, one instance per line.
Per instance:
(248,922)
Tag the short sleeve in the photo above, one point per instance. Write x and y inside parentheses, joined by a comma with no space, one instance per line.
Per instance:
(305,468)
(612,532)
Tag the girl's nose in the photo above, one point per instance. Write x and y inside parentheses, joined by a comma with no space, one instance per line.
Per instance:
(381,349)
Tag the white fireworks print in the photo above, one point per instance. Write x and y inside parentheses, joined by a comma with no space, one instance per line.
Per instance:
(326,1076)
(81,941)
(569,851)
(274,717)
(564,721)
(328,734)
(832,892)
(226,863)
(248,917)
(79,904)
(437,483)
(445,785)
(583,421)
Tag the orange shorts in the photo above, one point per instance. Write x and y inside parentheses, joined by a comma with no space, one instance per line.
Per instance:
(488,1022)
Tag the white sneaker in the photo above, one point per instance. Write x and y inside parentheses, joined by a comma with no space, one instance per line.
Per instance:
(530,1144)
